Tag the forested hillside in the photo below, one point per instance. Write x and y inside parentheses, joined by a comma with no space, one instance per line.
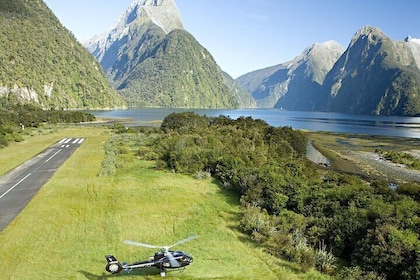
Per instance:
(41,62)
(177,72)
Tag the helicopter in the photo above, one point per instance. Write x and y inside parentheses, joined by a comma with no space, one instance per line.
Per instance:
(162,260)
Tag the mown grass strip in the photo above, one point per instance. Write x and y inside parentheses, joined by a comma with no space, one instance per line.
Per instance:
(78,217)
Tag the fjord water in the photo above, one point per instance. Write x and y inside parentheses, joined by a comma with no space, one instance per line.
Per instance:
(314,121)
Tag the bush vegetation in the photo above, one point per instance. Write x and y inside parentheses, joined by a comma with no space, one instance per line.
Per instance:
(16,117)
(291,207)
(400,158)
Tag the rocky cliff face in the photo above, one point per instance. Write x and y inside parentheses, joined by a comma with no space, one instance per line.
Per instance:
(162,13)
(414,45)
(294,84)
(153,61)
(375,75)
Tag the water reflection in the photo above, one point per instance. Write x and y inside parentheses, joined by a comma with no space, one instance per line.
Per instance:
(315,156)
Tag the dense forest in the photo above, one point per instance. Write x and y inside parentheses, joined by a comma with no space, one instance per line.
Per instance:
(42,62)
(340,224)
(16,117)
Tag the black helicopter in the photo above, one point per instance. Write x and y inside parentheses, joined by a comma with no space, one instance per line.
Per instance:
(162,260)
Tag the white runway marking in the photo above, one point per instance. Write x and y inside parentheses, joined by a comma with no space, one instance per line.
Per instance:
(53,155)
(72,140)
(65,142)
(15,185)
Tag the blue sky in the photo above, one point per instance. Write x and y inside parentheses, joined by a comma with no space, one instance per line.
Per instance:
(246,35)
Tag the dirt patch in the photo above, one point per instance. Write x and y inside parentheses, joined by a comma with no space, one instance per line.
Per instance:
(374,164)
(355,154)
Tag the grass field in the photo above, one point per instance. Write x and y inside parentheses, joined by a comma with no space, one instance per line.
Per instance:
(78,217)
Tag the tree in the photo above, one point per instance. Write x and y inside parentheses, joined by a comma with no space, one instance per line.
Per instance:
(394,252)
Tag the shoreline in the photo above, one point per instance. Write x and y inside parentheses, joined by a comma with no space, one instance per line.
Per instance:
(355,154)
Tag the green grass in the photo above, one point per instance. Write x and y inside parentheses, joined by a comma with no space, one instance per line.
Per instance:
(77,218)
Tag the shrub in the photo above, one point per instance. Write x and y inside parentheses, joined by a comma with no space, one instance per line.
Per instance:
(3,141)
(255,219)
(18,138)
(324,260)
(202,175)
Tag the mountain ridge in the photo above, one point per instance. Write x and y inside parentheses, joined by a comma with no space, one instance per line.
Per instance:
(141,62)
(272,84)
(374,75)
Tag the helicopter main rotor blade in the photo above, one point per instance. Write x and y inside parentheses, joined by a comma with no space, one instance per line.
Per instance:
(129,242)
(172,260)
(183,241)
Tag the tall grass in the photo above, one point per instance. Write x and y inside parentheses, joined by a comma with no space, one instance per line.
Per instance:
(78,217)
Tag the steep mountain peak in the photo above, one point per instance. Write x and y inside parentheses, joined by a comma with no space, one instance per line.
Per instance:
(319,58)
(410,39)
(330,47)
(371,33)
(327,45)
(368,30)
(163,13)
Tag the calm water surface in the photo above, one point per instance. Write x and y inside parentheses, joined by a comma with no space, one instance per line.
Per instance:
(315,121)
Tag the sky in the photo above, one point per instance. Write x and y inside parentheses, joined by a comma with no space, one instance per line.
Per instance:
(247,35)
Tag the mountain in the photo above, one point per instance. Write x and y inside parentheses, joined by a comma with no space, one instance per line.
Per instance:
(375,75)
(294,85)
(414,45)
(244,98)
(42,62)
(152,60)
(138,62)
(161,16)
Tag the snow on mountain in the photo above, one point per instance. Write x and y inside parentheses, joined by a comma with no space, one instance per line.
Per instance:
(413,40)
(163,13)
(414,45)
(319,57)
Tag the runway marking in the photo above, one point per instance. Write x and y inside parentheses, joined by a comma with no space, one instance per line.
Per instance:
(53,155)
(1,196)
(72,140)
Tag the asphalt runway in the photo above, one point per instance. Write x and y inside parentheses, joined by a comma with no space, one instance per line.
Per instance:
(18,186)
